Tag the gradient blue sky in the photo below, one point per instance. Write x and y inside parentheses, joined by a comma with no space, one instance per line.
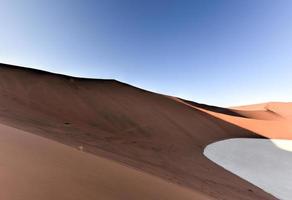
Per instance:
(217,52)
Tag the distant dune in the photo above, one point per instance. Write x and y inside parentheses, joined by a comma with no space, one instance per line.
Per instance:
(277,108)
(142,145)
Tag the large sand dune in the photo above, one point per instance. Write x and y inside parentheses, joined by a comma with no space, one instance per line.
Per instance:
(37,168)
(162,137)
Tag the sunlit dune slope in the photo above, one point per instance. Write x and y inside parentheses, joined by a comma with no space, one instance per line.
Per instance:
(156,134)
(280,108)
(258,111)
(270,120)
(33,167)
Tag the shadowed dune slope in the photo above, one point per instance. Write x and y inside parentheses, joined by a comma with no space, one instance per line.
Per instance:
(270,120)
(257,111)
(153,133)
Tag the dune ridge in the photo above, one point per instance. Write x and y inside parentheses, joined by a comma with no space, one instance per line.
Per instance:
(282,109)
(157,134)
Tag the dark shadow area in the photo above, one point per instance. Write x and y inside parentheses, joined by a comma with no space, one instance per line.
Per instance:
(226,111)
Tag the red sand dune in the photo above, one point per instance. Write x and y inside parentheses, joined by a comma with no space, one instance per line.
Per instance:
(33,167)
(278,108)
(162,137)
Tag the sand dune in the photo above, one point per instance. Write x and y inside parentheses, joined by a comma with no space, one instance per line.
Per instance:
(36,168)
(277,127)
(257,111)
(155,134)
(280,109)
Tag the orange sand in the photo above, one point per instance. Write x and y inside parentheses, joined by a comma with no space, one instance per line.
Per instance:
(152,133)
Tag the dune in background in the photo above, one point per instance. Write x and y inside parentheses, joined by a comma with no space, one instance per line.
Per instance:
(152,136)
(277,108)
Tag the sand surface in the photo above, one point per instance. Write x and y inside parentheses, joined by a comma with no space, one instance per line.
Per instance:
(156,134)
(32,167)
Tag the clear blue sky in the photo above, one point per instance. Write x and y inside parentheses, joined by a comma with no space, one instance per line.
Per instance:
(217,52)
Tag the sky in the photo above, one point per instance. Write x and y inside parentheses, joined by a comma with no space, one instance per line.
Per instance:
(219,52)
